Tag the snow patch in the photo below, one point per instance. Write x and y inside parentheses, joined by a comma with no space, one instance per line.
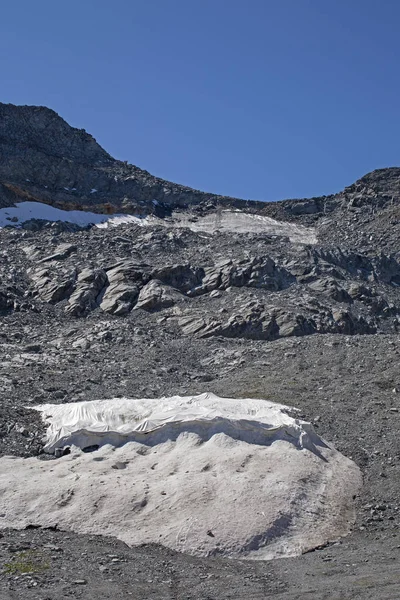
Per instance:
(199,474)
(25,211)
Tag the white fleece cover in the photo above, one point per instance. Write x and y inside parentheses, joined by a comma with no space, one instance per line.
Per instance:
(242,222)
(199,474)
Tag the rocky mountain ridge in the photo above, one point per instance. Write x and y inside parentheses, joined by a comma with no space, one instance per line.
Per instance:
(44,159)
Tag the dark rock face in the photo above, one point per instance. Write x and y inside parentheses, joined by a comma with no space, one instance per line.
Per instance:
(42,158)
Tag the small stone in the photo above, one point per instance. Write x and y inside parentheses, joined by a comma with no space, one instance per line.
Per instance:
(81,343)
(33,348)
(119,465)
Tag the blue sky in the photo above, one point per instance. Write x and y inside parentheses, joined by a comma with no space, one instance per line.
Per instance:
(261,99)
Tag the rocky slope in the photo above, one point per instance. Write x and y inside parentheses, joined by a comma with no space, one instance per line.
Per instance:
(295,301)
(248,286)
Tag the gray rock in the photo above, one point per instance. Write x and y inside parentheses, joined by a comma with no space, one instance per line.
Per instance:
(63,251)
(155,296)
(181,277)
(49,289)
(124,282)
(331,288)
(88,287)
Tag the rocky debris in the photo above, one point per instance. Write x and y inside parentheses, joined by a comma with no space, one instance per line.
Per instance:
(331,288)
(384,268)
(55,227)
(256,321)
(21,431)
(182,277)
(360,291)
(305,207)
(360,566)
(6,301)
(259,272)
(12,298)
(285,292)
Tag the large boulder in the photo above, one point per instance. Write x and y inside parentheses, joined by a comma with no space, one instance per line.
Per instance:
(84,298)
(155,296)
(124,282)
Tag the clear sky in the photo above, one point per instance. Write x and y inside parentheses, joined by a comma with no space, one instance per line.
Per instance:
(261,99)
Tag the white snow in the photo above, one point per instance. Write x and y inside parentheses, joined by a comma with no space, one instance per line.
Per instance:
(199,474)
(24,211)
(93,191)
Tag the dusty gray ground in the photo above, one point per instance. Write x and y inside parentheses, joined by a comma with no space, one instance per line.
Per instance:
(48,565)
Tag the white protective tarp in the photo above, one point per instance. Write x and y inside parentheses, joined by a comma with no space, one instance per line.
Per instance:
(119,420)
(238,221)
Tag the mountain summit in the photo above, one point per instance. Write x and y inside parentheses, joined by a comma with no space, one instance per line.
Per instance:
(43,158)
